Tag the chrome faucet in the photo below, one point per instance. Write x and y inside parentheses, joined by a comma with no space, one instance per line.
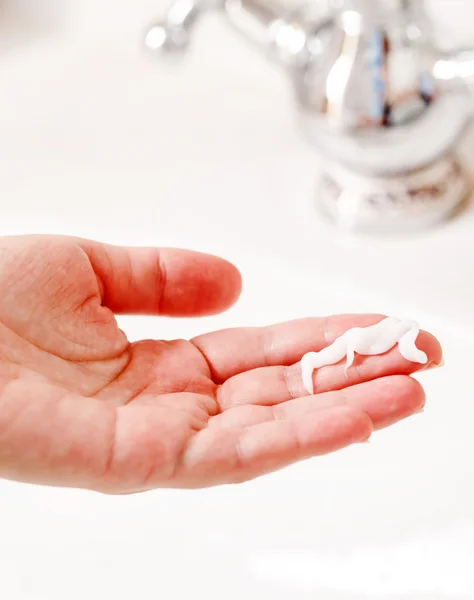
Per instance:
(377,98)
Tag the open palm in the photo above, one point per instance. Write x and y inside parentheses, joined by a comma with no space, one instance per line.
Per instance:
(81,406)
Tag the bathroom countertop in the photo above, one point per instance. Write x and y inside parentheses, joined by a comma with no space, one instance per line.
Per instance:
(97,141)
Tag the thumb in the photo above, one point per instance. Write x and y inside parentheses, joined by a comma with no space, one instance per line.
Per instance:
(164,281)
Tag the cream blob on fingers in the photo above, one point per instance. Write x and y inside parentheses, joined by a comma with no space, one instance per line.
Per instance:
(366,341)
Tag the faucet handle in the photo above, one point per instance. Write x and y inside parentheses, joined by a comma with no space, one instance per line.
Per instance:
(166,39)
(288,35)
(171,36)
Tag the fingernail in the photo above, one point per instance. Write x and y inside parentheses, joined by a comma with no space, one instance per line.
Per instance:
(433,365)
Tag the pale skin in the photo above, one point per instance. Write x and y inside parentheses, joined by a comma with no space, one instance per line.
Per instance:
(80,406)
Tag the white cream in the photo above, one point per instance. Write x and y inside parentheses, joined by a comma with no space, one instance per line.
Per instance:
(367,341)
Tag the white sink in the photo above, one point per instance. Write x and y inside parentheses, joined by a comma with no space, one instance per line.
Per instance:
(98,142)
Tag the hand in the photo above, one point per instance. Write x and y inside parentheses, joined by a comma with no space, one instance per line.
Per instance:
(82,407)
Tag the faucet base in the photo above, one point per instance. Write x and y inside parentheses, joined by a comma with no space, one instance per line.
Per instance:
(410,201)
